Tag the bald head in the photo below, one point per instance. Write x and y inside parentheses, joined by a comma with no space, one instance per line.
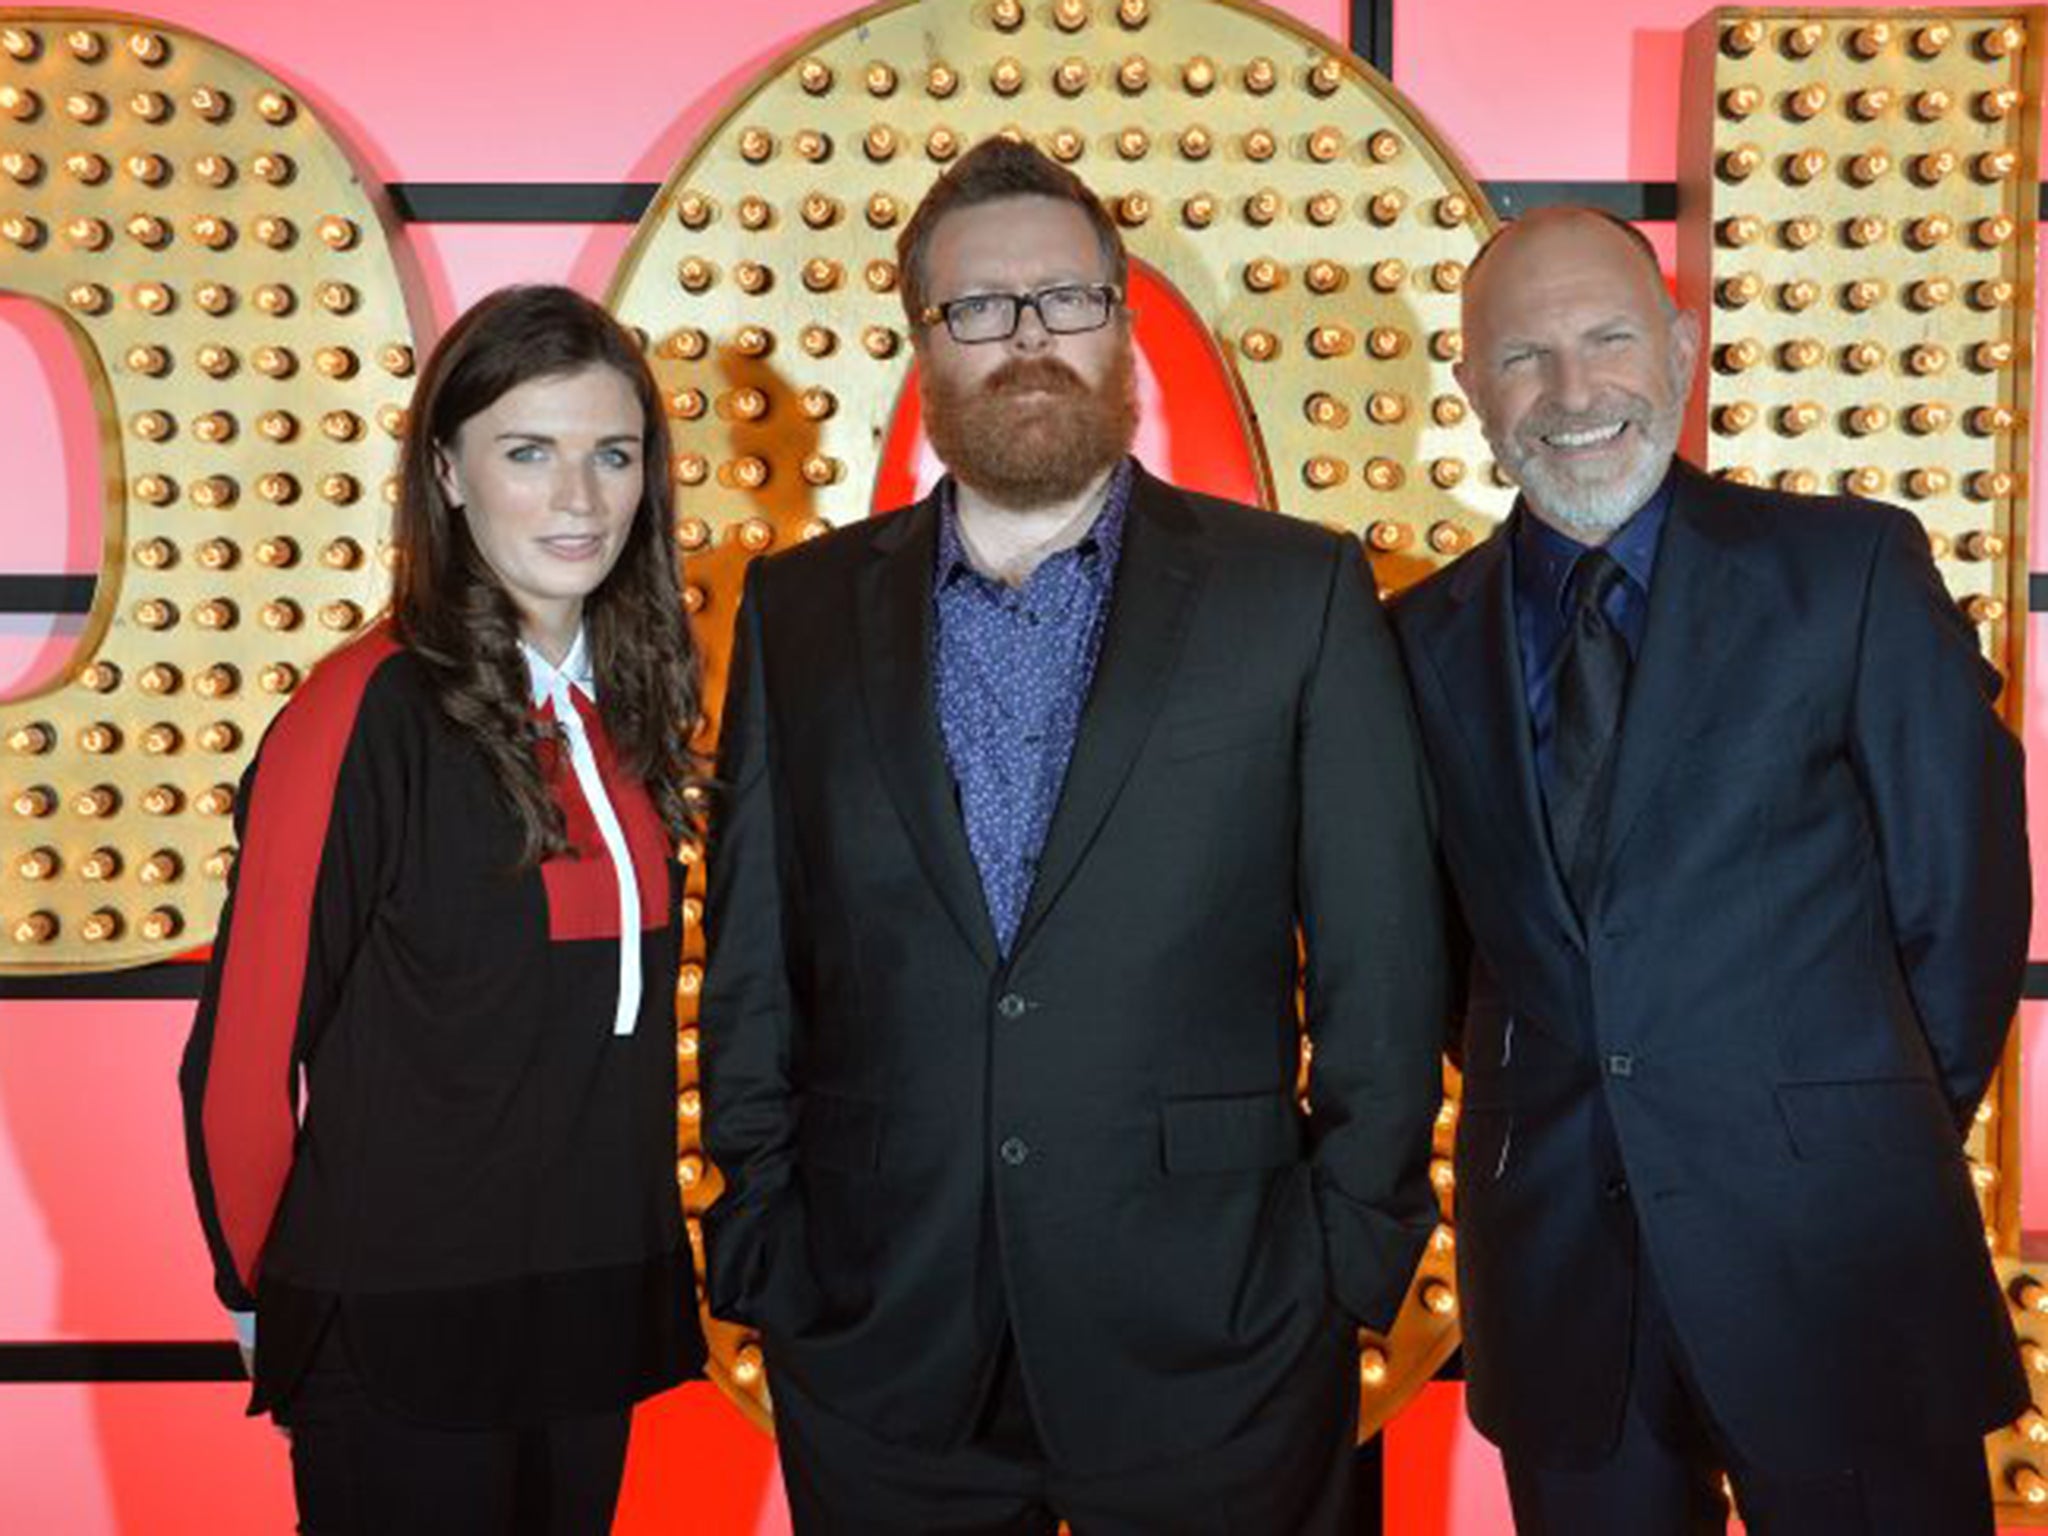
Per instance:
(1537,222)
(1578,364)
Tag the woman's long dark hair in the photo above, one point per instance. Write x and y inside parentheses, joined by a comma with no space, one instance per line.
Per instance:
(449,608)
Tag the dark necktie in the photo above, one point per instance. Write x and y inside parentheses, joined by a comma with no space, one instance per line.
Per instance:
(1592,681)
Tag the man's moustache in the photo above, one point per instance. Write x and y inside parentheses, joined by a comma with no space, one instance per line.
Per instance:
(1054,378)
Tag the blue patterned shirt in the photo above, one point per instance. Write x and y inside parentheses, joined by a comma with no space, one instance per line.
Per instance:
(1011,669)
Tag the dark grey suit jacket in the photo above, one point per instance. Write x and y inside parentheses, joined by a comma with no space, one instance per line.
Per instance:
(1097,1141)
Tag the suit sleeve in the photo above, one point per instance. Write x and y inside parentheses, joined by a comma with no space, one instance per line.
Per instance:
(747,1014)
(316,820)
(1944,782)
(1377,979)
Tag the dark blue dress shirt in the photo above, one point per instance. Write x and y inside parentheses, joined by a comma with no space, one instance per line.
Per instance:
(1544,560)
(1011,669)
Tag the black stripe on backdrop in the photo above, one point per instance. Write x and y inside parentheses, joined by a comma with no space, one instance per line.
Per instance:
(117,1362)
(175,981)
(177,1361)
(451,202)
(623,202)
(576,202)
(564,202)
(178,981)
(30,593)
(1372,33)
(521,202)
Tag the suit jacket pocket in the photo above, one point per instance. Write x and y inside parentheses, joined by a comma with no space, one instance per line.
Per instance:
(1876,1117)
(756,1265)
(1222,733)
(840,1133)
(1237,1134)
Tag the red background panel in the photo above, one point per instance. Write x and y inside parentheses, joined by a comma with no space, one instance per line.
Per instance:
(35,647)
(51,443)
(142,1458)
(697,1466)
(1442,1479)
(97,1238)
(50,519)
(154,1459)
(2033,1027)
(96,1215)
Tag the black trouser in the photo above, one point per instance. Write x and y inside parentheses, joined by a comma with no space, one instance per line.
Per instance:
(359,1469)
(1287,1472)
(1664,1477)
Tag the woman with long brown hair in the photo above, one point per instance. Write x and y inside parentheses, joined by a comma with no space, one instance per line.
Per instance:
(430,1091)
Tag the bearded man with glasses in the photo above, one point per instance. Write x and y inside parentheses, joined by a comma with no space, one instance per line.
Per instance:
(1039,803)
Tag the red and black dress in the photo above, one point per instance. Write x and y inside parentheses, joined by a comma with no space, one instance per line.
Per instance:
(411,1101)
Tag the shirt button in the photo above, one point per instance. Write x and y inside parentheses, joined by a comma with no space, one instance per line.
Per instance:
(1617,1189)
(1011,1006)
(1621,1065)
(1015,1151)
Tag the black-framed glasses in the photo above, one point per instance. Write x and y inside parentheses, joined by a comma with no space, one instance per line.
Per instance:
(1065,309)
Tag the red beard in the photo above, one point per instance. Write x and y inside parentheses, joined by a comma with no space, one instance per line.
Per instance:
(1032,453)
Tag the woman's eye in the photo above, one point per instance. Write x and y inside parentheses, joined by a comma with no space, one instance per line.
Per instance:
(616,458)
(525,453)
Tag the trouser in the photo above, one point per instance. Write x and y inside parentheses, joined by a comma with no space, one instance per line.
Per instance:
(1664,1476)
(1286,1472)
(360,1469)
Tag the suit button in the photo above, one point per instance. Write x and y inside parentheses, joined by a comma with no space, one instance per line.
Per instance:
(1011,1005)
(1617,1189)
(1621,1065)
(1015,1151)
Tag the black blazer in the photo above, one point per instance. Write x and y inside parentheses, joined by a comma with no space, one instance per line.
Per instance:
(1788,993)
(1100,1139)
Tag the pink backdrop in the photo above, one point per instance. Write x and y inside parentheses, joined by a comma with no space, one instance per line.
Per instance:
(96,1237)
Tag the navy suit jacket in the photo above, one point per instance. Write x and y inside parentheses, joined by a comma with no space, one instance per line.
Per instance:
(1790,986)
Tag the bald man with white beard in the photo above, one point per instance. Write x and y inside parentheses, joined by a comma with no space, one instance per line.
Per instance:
(1739,844)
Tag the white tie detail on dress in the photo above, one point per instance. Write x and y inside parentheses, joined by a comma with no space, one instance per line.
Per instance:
(551,685)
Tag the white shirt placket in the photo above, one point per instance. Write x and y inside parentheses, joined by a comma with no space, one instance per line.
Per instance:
(553,685)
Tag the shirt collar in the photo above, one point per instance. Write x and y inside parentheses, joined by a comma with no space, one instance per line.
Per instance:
(575,671)
(1104,537)
(1545,557)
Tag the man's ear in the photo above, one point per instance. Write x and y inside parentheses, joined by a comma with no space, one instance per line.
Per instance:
(1685,349)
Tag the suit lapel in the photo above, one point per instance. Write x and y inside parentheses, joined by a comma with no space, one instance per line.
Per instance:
(1479,664)
(894,633)
(1699,592)
(1158,575)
